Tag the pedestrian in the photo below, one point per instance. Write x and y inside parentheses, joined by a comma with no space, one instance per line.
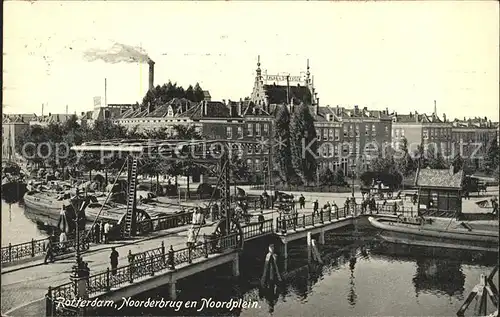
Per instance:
(261,221)
(62,241)
(97,232)
(102,232)
(194,220)
(106,232)
(315,207)
(50,250)
(190,238)
(114,260)
(328,208)
(261,200)
(302,201)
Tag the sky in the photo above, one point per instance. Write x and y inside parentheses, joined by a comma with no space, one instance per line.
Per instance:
(396,55)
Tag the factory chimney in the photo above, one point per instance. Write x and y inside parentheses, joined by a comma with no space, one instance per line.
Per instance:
(151,74)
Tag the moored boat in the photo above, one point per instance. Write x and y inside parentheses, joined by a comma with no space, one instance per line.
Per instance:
(435,232)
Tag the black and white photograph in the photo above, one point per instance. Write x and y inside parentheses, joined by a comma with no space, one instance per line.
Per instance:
(250,158)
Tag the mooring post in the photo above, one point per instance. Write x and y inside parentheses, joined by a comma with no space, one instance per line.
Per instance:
(285,250)
(309,251)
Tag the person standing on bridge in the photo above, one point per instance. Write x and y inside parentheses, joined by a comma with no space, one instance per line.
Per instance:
(261,221)
(302,201)
(97,232)
(114,260)
(106,232)
(315,207)
(190,238)
(50,250)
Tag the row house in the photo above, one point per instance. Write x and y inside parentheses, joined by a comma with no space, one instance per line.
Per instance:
(423,130)
(232,121)
(350,138)
(471,138)
(13,126)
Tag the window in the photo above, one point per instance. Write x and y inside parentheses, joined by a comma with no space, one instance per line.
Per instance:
(396,133)
(351,130)
(250,149)
(257,129)
(229,132)
(325,134)
(318,134)
(331,134)
(257,149)
(266,128)
(266,149)
(240,133)
(374,130)
(367,129)
(425,134)
(357,130)
(402,132)
(336,149)
(257,165)
(250,129)
(249,164)
(337,134)
(386,129)
(345,131)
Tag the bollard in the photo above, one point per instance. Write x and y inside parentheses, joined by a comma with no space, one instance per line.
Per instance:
(32,247)
(321,216)
(190,260)
(48,302)
(171,261)
(303,221)
(312,219)
(151,265)
(108,287)
(337,212)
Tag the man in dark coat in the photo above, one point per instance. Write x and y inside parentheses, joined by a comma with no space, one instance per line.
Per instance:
(114,260)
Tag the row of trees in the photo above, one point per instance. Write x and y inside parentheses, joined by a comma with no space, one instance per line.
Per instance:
(162,94)
(49,146)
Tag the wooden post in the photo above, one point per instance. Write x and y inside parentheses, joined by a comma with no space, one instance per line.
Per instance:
(108,287)
(322,237)
(309,252)
(163,251)
(236,266)
(303,221)
(151,265)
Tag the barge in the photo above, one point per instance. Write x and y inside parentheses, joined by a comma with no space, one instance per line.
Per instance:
(435,232)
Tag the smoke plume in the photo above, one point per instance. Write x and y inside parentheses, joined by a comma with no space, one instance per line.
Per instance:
(118,53)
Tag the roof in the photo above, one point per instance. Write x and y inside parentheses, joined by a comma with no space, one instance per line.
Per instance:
(206,93)
(416,118)
(215,109)
(53,118)
(441,178)
(337,114)
(18,118)
(277,94)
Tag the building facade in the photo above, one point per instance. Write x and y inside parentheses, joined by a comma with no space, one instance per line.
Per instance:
(423,130)
(12,127)
(471,138)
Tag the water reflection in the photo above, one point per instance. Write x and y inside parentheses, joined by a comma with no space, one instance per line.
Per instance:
(351,297)
(437,275)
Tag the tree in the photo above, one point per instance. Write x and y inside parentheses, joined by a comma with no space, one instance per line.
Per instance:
(492,155)
(327,177)
(458,163)
(198,93)
(283,154)
(339,179)
(436,159)
(303,144)
(404,162)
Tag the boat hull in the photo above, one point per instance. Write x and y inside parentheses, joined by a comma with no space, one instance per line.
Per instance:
(478,240)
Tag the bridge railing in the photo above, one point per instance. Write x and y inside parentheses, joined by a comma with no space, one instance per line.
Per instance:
(255,229)
(34,248)
(104,281)
(165,222)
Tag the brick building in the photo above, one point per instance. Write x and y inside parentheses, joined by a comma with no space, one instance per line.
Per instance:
(12,127)
(425,130)
(471,138)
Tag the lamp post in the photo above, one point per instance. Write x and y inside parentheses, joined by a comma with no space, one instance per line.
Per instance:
(353,166)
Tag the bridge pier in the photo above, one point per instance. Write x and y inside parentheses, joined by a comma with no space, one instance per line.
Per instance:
(285,250)
(322,237)
(172,290)
(236,266)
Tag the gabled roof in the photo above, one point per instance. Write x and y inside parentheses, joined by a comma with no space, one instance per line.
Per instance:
(277,94)
(215,109)
(439,178)
(416,118)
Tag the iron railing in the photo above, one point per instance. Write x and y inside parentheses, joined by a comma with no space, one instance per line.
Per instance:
(13,253)
(105,281)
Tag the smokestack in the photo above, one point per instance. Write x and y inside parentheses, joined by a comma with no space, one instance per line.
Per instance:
(317,105)
(239,107)
(66,110)
(435,108)
(151,74)
(42,109)
(204,107)
(288,89)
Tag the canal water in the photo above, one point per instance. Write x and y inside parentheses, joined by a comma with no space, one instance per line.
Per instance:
(361,276)
(16,226)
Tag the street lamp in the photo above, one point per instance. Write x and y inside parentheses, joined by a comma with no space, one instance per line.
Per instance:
(353,166)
